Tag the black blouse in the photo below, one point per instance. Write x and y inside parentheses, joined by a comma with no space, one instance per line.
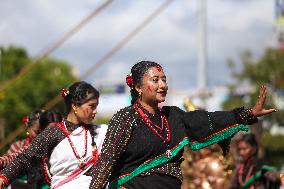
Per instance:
(130,143)
(41,147)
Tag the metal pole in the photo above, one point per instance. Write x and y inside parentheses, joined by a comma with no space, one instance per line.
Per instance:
(202,53)
(202,46)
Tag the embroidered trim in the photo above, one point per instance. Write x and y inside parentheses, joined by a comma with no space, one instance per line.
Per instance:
(195,145)
(116,141)
(149,164)
(46,172)
(73,174)
(172,169)
(258,175)
(218,136)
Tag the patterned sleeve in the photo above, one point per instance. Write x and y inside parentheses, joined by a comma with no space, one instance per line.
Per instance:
(40,147)
(16,147)
(115,143)
(7,158)
(205,128)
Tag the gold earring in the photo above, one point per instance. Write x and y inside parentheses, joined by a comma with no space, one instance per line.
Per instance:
(27,133)
(75,112)
(140,94)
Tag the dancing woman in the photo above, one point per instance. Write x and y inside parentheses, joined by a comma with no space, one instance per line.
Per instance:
(70,147)
(32,129)
(144,143)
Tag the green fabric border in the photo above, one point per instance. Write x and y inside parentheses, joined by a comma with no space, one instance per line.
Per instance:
(148,165)
(46,186)
(258,175)
(218,137)
(226,133)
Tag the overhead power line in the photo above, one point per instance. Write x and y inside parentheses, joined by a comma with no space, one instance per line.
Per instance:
(115,48)
(127,38)
(49,50)
(100,62)
(54,46)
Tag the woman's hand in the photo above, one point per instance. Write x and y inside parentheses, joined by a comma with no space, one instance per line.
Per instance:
(258,109)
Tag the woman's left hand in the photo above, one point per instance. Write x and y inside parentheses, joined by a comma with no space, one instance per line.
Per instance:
(258,109)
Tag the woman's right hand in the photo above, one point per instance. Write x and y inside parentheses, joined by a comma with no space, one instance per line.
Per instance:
(259,109)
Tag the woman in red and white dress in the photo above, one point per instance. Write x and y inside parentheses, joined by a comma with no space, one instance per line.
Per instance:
(33,128)
(70,148)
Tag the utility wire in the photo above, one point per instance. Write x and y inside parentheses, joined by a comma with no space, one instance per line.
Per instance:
(54,46)
(115,48)
(100,62)
(49,50)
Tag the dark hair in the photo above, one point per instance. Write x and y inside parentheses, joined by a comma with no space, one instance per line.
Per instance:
(48,117)
(34,117)
(80,93)
(250,139)
(137,72)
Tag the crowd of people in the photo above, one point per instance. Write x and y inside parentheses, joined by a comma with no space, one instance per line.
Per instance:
(141,147)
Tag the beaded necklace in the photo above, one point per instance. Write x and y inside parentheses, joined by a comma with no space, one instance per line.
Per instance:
(153,127)
(79,158)
(95,152)
(241,171)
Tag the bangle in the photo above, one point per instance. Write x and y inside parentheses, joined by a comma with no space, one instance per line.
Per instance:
(247,117)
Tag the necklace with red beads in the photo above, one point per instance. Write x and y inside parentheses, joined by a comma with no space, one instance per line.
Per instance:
(241,171)
(80,159)
(153,127)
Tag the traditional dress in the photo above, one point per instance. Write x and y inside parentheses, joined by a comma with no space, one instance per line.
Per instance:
(67,150)
(252,174)
(31,178)
(142,150)
(14,150)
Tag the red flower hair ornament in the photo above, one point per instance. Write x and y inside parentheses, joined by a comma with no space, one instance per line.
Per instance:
(64,92)
(25,120)
(129,80)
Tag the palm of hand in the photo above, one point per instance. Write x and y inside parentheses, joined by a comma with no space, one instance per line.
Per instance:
(258,109)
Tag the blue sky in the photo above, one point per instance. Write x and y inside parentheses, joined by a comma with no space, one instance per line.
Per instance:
(171,39)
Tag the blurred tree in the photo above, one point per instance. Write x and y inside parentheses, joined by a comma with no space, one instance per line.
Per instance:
(33,90)
(273,145)
(268,70)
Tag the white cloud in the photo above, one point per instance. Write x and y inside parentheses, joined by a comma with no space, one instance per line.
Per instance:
(171,38)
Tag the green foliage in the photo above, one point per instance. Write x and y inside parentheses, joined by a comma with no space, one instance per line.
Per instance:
(274,148)
(268,70)
(41,84)
(102,120)
(12,60)
(277,140)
